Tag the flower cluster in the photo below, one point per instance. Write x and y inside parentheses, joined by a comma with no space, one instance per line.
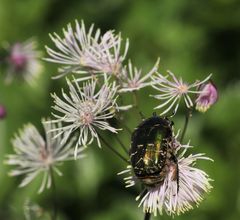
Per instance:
(87,108)
(83,52)
(89,55)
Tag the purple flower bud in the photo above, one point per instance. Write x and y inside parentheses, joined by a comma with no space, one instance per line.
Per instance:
(22,61)
(3,112)
(207,97)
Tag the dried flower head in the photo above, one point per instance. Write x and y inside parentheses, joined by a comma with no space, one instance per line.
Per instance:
(86,53)
(3,112)
(35,155)
(207,97)
(173,90)
(23,61)
(131,78)
(166,196)
(84,110)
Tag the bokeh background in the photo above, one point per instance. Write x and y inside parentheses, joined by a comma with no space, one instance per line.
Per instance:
(193,39)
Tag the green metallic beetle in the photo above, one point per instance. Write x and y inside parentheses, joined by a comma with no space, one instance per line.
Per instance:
(152,151)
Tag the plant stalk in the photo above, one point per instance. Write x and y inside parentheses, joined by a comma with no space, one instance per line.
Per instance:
(136,104)
(187,117)
(54,213)
(147,216)
(112,149)
(121,144)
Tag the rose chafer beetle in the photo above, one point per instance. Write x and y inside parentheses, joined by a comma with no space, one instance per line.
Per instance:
(152,151)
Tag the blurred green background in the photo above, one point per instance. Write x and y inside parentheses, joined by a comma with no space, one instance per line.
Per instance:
(193,39)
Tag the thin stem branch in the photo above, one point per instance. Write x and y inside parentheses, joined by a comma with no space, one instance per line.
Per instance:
(187,117)
(136,104)
(120,121)
(54,213)
(121,144)
(135,99)
(112,149)
(147,216)
(126,127)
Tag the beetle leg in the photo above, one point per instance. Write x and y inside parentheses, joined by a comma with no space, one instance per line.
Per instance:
(175,160)
(177,178)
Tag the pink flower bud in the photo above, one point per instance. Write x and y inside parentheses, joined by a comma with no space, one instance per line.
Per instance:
(22,61)
(3,112)
(18,57)
(207,97)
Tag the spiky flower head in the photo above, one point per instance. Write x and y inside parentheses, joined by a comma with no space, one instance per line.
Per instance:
(173,90)
(35,155)
(207,97)
(87,53)
(23,61)
(168,196)
(131,78)
(85,110)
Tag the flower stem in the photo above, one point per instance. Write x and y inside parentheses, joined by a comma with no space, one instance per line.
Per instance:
(135,99)
(147,216)
(54,213)
(126,127)
(121,144)
(112,149)
(187,117)
(136,104)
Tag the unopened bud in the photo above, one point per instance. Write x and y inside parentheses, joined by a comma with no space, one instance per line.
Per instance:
(207,97)
(3,112)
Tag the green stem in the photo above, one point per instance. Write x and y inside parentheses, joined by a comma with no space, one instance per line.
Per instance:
(127,128)
(136,104)
(121,144)
(120,121)
(112,149)
(147,216)
(135,99)
(54,213)
(187,117)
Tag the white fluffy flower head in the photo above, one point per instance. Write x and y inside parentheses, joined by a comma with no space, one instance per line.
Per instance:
(35,155)
(131,78)
(85,110)
(173,90)
(87,53)
(193,183)
(23,62)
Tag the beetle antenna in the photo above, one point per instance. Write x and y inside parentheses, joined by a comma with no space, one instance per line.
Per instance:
(177,178)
